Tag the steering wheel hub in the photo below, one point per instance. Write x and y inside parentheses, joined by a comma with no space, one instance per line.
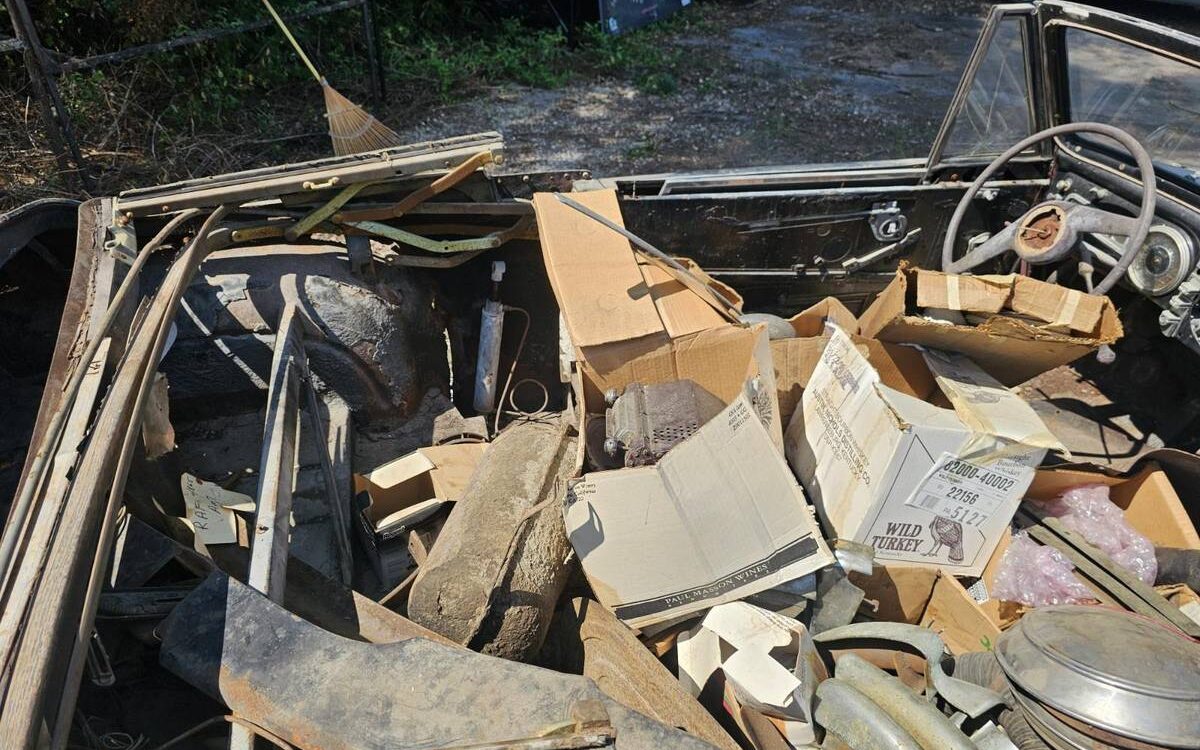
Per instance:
(1043,235)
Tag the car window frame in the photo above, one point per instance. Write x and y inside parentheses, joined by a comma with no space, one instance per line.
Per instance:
(1026,15)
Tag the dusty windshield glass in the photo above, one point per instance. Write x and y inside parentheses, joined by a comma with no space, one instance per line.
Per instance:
(996,113)
(1153,97)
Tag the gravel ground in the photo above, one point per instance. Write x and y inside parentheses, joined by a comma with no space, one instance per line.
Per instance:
(769,83)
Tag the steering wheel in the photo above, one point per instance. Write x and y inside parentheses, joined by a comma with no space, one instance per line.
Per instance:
(1049,231)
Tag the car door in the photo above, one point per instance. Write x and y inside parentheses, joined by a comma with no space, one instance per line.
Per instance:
(789,236)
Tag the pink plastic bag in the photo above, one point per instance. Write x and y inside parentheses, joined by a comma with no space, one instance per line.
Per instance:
(1088,512)
(1037,576)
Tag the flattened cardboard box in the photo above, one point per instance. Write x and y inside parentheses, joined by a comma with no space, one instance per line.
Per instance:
(921,484)
(720,516)
(1042,326)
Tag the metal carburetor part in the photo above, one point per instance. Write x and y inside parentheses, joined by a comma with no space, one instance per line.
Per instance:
(646,421)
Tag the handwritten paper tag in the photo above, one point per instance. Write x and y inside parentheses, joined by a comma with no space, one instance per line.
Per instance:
(210,509)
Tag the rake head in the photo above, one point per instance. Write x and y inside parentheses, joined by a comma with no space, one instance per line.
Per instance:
(352,129)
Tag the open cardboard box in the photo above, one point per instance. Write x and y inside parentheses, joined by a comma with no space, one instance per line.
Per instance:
(1033,326)
(922,484)
(405,492)
(720,516)
(969,620)
(900,367)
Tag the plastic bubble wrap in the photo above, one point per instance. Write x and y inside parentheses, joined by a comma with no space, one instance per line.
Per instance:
(1088,512)
(1037,576)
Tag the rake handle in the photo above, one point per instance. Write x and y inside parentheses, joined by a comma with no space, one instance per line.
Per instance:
(296,45)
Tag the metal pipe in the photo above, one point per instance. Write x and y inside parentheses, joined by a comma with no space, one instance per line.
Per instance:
(920,718)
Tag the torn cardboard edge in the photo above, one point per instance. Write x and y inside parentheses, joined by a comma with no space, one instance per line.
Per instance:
(1067,324)
(768,660)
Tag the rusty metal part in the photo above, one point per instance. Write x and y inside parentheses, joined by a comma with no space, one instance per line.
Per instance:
(87,523)
(468,245)
(33,478)
(858,722)
(973,700)
(317,690)
(920,718)
(588,639)
(422,194)
(320,214)
(272,182)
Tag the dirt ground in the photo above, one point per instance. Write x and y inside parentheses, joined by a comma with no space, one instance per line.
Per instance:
(771,82)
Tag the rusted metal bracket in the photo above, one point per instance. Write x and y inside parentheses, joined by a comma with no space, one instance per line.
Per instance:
(424,193)
(443,247)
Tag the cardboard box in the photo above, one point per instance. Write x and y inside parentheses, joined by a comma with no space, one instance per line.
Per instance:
(402,493)
(1032,326)
(720,516)
(900,367)
(968,619)
(921,484)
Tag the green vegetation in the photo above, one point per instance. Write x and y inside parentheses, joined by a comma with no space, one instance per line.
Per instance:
(246,99)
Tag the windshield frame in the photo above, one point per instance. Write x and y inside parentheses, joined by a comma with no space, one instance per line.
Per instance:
(1055,19)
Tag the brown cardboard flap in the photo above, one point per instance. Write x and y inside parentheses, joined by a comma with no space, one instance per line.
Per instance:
(718,359)
(811,321)
(963,625)
(596,278)
(605,292)
(1069,308)
(901,592)
(899,367)
(1011,349)
(988,294)
(438,472)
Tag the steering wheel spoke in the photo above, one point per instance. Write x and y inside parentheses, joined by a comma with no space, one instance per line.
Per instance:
(992,247)
(1097,221)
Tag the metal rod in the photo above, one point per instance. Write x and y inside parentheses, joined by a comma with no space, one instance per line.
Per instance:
(374,59)
(37,466)
(54,112)
(277,466)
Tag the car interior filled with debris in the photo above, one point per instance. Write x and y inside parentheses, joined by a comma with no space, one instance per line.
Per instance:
(402,449)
